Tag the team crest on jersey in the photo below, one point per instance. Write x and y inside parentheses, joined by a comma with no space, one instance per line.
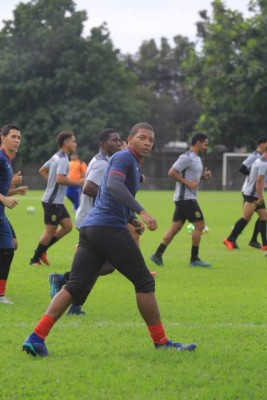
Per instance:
(53,218)
(197,214)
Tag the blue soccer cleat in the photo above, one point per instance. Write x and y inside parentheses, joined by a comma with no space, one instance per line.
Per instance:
(35,346)
(56,281)
(176,346)
(75,310)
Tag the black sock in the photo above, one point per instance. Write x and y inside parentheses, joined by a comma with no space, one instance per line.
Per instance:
(41,248)
(262,226)
(160,250)
(194,253)
(52,241)
(256,231)
(6,257)
(238,228)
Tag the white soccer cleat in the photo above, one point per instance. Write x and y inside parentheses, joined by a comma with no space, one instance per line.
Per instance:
(4,300)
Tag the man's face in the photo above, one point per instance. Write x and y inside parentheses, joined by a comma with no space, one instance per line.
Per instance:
(202,146)
(70,144)
(11,142)
(113,144)
(142,142)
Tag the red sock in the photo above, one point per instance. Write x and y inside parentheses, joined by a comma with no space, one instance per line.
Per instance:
(2,287)
(157,333)
(43,327)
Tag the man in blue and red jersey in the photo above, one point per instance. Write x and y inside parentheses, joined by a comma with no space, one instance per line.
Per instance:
(10,141)
(104,237)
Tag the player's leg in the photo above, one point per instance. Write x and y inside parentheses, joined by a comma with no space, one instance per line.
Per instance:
(125,254)
(177,224)
(194,214)
(262,212)
(6,257)
(85,268)
(248,209)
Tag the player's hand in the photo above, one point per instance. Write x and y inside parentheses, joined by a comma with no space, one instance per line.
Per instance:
(17,179)
(139,226)
(259,201)
(193,184)
(9,202)
(22,190)
(80,181)
(149,220)
(207,174)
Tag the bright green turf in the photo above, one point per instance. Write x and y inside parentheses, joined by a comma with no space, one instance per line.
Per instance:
(108,354)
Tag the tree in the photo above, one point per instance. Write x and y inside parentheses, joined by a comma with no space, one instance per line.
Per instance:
(52,78)
(161,82)
(228,75)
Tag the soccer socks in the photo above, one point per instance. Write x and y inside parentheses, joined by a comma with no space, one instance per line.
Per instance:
(41,248)
(256,231)
(194,253)
(160,250)
(262,226)
(52,241)
(43,327)
(2,287)
(238,228)
(157,333)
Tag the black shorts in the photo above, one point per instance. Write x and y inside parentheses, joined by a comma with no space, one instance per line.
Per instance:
(115,245)
(187,210)
(252,199)
(54,213)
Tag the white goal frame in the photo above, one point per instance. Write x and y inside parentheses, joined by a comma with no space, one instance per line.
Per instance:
(226,156)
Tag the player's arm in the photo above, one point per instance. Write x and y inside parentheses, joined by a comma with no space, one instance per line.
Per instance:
(43,171)
(21,190)
(17,179)
(175,175)
(119,191)
(63,180)
(90,189)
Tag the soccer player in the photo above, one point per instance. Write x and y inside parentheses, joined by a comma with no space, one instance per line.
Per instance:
(10,142)
(245,169)
(104,237)
(187,172)
(57,219)
(109,142)
(77,170)
(254,202)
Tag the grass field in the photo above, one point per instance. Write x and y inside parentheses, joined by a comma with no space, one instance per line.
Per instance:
(108,354)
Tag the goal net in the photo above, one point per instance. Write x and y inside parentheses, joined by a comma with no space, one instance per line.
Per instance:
(232,179)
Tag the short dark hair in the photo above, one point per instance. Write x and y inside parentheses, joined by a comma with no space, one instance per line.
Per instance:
(261,140)
(198,137)
(141,125)
(104,135)
(6,128)
(62,136)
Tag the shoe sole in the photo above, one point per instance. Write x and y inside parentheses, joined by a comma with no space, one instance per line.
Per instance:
(28,347)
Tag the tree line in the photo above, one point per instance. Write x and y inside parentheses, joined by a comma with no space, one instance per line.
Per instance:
(53,78)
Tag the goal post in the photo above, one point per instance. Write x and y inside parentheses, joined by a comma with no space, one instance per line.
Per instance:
(232,179)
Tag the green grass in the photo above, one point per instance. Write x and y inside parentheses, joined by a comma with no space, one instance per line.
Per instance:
(108,354)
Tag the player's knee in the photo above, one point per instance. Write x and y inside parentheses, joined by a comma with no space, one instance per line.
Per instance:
(146,285)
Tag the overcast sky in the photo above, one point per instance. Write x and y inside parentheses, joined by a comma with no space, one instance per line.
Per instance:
(130,22)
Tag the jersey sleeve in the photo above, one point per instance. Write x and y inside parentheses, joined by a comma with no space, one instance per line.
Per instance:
(97,172)
(63,166)
(120,162)
(182,163)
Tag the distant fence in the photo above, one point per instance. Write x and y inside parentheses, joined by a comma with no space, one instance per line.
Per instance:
(156,168)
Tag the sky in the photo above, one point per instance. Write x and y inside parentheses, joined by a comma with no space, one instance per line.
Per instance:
(131,22)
